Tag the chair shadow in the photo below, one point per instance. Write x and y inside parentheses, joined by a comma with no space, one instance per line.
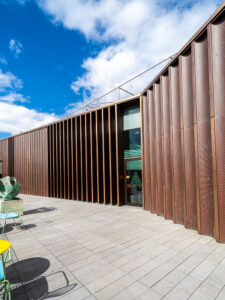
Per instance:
(39,210)
(10,227)
(27,269)
(38,288)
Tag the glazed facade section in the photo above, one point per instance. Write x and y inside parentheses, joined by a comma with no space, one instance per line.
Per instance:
(86,155)
(79,158)
(184,135)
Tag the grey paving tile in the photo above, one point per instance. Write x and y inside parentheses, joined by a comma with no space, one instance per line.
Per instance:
(106,251)
(132,292)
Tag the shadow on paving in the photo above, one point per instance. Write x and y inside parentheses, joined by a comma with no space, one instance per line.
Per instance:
(39,210)
(27,281)
(10,226)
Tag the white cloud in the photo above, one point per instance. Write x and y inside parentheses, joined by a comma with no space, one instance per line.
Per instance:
(139,33)
(17,118)
(9,81)
(13,97)
(3,61)
(15,47)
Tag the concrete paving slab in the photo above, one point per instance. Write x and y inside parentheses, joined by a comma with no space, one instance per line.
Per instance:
(107,252)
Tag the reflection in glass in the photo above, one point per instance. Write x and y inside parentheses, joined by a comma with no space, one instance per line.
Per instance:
(134,182)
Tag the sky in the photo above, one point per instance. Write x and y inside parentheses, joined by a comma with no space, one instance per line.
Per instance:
(56,55)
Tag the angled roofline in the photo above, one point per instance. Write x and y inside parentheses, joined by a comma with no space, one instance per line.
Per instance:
(219,11)
(75,115)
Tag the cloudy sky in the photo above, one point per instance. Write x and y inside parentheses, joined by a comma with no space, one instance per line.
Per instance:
(55,54)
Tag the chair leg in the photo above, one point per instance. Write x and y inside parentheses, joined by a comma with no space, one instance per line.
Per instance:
(3,229)
(14,222)
(8,288)
(21,220)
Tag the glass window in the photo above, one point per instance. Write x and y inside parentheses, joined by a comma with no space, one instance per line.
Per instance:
(134,182)
(132,131)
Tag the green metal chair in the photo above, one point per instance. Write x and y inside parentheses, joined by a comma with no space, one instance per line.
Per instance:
(10,214)
(5,258)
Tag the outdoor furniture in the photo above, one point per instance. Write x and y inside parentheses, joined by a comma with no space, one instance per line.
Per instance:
(5,257)
(10,215)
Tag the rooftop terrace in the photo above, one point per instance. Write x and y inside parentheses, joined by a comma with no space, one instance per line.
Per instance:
(76,250)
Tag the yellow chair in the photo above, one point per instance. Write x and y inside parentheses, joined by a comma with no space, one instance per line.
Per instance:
(5,257)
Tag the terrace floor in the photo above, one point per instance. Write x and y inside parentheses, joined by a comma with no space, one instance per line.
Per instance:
(74,250)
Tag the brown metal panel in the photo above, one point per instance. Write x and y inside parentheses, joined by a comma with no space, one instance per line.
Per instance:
(64,159)
(119,155)
(91,158)
(146,154)
(22,162)
(204,137)
(54,183)
(35,170)
(110,155)
(43,172)
(106,150)
(88,167)
(100,156)
(72,161)
(39,187)
(50,159)
(47,162)
(150,96)
(77,142)
(218,94)
(86,156)
(40,159)
(189,142)
(81,161)
(103,158)
(4,156)
(142,154)
(60,162)
(83,168)
(57,161)
(177,146)
(113,154)
(97,155)
(68,147)
(168,211)
(159,157)
(94,157)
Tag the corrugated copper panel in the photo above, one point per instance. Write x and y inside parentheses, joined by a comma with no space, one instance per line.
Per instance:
(218,57)
(150,96)
(177,147)
(4,156)
(204,137)
(189,143)
(106,155)
(205,179)
(220,165)
(202,79)
(218,65)
(159,157)
(146,141)
(190,179)
(168,205)
(31,162)
(113,154)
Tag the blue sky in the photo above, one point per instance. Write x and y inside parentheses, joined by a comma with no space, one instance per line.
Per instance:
(54,54)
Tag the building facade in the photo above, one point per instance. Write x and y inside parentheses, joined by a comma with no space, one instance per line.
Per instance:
(163,150)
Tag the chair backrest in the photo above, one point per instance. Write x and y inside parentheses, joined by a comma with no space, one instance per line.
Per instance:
(13,206)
